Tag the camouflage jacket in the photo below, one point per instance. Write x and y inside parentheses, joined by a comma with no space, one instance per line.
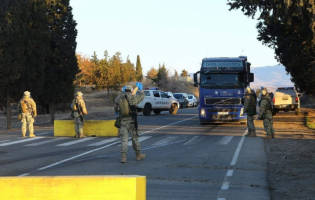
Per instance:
(79,102)
(250,105)
(265,106)
(30,102)
(132,99)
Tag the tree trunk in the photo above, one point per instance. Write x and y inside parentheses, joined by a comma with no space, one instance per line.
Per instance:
(107,90)
(52,112)
(9,126)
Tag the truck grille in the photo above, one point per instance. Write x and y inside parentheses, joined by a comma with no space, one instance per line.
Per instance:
(222,110)
(209,101)
(222,117)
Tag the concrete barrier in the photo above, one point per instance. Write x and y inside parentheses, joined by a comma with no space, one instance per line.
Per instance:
(76,187)
(98,128)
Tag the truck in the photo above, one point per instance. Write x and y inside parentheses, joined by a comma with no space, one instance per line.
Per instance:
(286,99)
(221,83)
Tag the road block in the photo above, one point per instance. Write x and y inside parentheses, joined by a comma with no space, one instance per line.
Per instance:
(73,187)
(97,128)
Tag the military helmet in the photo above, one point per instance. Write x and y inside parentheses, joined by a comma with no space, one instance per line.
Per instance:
(128,87)
(79,94)
(27,93)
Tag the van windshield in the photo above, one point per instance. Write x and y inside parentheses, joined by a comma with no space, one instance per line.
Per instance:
(178,96)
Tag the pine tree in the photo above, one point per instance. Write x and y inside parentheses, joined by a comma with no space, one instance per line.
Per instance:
(288,28)
(61,66)
(139,75)
(11,50)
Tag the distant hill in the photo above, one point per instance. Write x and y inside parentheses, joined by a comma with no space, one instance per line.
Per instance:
(270,77)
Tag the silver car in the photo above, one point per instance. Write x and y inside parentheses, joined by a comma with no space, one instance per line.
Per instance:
(192,101)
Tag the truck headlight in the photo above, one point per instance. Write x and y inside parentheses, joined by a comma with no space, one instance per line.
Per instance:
(203,112)
(242,112)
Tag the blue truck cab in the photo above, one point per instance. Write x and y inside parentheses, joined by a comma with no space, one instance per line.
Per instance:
(221,83)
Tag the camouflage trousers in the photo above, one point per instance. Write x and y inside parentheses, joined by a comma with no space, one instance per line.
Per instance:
(78,121)
(250,124)
(124,131)
(268,125)
(27,123)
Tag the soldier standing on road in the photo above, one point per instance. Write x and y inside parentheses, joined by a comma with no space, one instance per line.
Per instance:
(250,109)
(125,104)
(27,113)
(79,110)
(265,113)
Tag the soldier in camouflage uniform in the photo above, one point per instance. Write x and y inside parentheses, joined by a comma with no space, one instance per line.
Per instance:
(250,109)
(27,113)
(128,123)
(265,113)
(79,110)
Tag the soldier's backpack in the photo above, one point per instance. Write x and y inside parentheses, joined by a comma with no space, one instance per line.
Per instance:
(124,107)
(25,107)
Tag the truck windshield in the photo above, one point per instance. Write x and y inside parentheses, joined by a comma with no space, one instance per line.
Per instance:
(226,81)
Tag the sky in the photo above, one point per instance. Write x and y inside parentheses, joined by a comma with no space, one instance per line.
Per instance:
(179,33)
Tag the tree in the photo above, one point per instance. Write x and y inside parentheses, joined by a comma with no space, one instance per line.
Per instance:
(152,74)
(139,75)
(85,76)
(61,65)
(184,73)
(288,28)
(162,75)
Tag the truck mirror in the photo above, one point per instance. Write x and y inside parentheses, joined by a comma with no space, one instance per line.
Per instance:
(250,77)
(195,78)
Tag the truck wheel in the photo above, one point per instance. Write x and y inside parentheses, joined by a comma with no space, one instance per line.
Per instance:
(297,111)
(244,123)
(157,112)
(202,123)
(174,109)
(147,109)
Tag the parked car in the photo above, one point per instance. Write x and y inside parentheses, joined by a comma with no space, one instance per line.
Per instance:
(157,101)
(170,94)
(192,101)
(183,99)
(286,99)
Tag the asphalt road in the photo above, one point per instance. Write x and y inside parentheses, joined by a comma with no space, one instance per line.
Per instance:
(185,160)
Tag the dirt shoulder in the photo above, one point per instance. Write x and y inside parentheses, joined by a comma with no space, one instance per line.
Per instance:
(291,160)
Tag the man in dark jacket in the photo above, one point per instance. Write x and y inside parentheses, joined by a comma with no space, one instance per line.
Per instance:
(250,110)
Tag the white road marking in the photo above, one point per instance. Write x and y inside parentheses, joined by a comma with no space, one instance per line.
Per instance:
(225,185)
(88,152)
(221,198)
(42,133)
(75,142)
(45,142)
(229,173)
(20,141)
(140,139)
(25,174)
(225,140)
(165,140)
(192,141)
(104,142)
(4,141)
(237,152)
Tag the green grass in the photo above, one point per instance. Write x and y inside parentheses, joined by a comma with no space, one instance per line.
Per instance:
(310,122)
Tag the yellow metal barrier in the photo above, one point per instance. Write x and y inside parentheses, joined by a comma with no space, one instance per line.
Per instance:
(96,128)
(73,187)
